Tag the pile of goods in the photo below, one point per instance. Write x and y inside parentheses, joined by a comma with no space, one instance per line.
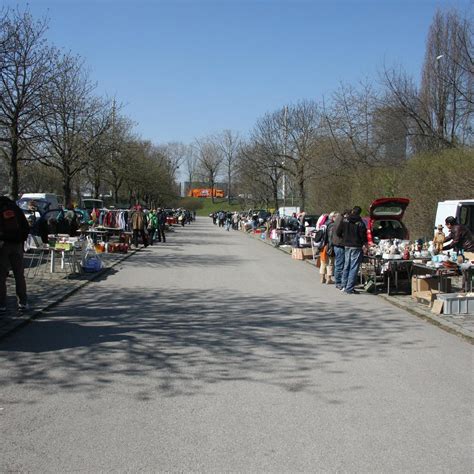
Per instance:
(395,249)
(108,247)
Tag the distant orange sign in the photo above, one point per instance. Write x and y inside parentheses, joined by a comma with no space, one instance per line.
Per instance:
(205,192)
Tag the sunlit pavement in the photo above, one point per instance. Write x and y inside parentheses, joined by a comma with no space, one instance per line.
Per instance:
(213,352)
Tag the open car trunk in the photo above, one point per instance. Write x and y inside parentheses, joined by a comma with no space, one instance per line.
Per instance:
(388,208)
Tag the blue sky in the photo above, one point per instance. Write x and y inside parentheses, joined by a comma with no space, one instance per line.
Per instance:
(184,69)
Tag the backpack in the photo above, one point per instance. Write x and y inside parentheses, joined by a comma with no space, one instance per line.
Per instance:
(319,237)
(11,228)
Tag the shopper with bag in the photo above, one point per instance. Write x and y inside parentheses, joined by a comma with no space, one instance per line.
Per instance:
(14,230)
(327,253)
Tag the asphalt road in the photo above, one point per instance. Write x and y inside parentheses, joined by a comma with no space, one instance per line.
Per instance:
(218,353)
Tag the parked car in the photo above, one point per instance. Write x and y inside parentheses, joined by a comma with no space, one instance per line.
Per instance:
(170,216)
(262,214)
(462,210)
(89,204)
(385,220)
(44,200)
(311,219)
(42,205)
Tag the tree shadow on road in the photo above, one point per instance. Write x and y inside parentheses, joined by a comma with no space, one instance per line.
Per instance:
(174,260)
(175,343)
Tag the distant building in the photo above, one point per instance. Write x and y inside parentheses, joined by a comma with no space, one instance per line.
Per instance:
(188,186)
(205,192)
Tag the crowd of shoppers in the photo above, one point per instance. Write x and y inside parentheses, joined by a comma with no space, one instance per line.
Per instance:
(342,239)
(149,226)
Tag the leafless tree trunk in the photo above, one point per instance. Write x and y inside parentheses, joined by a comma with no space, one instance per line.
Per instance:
(291,136)
(229,144)
(447,78)
(73,121)
(191,166)
(259,174)
(119,138)
(210,161)
(25,61)
(176,154)
(440,113)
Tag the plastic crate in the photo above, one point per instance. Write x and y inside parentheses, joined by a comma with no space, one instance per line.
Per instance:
(454,304)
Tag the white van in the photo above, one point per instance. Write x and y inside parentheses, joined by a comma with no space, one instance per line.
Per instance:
(46,201)
(462,210)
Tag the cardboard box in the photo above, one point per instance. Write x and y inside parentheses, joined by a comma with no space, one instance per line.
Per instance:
(426,297)
(301,253)
(429,283)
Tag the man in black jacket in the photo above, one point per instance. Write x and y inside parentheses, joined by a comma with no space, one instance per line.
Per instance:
(161,224)
(353,233)
(14,231)
(459,238)
(338,246)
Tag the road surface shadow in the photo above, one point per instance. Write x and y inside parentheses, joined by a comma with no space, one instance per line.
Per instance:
(184,343)
(174,260)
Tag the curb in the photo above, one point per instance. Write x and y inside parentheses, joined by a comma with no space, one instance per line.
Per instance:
(22,320)
(427,316)
(433,319)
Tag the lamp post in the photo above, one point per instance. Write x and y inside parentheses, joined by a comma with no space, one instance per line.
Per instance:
(285,145)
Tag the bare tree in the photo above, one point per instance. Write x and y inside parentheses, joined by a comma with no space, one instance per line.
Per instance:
(119,139)
(440,113)
(191,165)
(147,174)
(25,61)
(291,136)
(229,144)
(73,120)
(101,151)
(362,129)
(259,174)
(175,154)
(210,161)
(447,77)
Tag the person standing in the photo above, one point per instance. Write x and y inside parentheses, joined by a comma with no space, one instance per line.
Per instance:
(71,220)
(221,218)
(459,238)
(235,220)
(353,232)
(152,225)
(160,225)
(228,221)
(14,230)
(338,247)
(138,226)
(326,268)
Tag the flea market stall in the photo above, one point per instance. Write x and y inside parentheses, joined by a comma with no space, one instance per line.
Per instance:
(73,241)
